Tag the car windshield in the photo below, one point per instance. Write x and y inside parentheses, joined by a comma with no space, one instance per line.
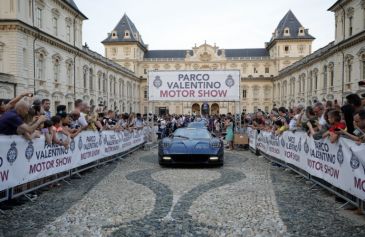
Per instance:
(192,133)
(196,125)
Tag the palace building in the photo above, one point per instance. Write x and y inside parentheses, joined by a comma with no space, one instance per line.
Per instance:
(41,51)
(258,67)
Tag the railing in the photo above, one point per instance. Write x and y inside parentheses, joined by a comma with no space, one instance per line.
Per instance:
(29,165)
(337,167)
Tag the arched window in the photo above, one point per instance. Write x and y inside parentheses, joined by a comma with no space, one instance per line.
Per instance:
(361,55)
(56,67)
(69,71)
(348,63)
(84,76)
(331,74)
(325,77)
(2,46)
(99,80)
(91,81)
(41,54)
(104,83)
(315,78)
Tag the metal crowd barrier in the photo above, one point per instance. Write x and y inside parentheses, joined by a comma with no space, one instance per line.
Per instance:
(26,188)
(349,198)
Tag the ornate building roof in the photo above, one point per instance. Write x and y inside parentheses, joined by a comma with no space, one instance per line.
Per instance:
(233,53)
(125,31)
(72,4)
(290,28)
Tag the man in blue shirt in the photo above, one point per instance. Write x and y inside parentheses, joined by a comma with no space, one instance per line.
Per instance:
(12,122)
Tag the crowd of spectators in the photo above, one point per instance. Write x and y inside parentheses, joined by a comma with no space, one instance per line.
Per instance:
(321,120)
(31,118)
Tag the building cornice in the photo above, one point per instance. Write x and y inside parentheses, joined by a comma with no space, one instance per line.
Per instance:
(310,60)
(17,25)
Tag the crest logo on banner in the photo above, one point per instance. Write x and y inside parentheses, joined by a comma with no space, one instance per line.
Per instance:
(354,161)
(12,153)
(340,157)
(80,143)
(29,151)
(72,145)
(282,142)
(229,81)
(300,144)
(306,147)
(158,82)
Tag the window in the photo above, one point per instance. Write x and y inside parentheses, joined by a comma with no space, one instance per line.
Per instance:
(145,71)
(55,25)
(267,70)
(349,72)
(145,95)
(114,51)
(363,69)
(39,17)
(56,69)
(126,34)
(301,49)
(349,60)
(40,67)
(315,81)
(68,33)
(69,73)
(255,70)
(325,77)
(244,93)
(99,81)
(91,82)
(286,49)
(350,26)
(85,77)
(331,77)
(266,109)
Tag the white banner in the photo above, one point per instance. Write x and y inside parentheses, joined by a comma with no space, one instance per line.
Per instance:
(341,164)
(22,161)
(251,133)
(194,85)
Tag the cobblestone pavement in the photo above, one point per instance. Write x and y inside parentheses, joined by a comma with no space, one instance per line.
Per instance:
(136,197)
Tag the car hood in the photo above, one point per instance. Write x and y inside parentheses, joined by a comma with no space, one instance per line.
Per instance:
(190,145)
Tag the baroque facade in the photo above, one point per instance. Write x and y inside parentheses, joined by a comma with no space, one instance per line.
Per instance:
(258,67)
(41,51)
(333,71)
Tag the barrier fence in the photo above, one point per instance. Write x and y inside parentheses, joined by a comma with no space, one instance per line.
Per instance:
(29,165)
(338,167)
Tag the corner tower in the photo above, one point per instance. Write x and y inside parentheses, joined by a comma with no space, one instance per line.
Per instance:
(290,42)
(124,44)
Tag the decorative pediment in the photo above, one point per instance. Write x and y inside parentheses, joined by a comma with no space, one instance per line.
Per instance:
(361,51)
(205,56)
(42,51)
(331,65)
(55,12)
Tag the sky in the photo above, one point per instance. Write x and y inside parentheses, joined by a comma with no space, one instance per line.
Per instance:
(180,24)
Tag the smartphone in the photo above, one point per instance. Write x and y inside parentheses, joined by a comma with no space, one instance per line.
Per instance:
(337,129)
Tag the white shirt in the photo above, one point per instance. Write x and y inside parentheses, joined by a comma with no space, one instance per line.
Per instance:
(82,120)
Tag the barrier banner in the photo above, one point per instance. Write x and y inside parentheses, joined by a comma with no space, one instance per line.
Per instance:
(22,161)
(341,164)
(252,133)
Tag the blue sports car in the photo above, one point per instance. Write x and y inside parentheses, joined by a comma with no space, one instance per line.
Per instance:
(191,146)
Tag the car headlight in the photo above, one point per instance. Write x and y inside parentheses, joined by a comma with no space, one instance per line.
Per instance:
(215,144)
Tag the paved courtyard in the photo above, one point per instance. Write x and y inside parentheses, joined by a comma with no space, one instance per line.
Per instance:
(136,197)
